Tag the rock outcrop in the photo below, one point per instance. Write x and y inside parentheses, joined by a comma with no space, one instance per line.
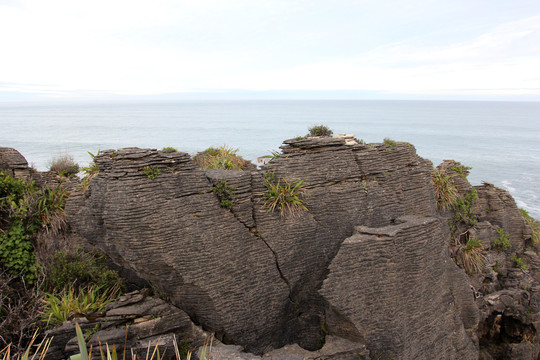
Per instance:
(372,268)
(254,277)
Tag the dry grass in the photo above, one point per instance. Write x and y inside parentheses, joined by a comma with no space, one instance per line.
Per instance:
(64,165)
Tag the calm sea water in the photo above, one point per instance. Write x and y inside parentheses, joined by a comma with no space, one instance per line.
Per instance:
(500,140)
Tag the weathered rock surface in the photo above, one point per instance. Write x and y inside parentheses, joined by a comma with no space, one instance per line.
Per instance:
(13,162)
(379,280)
(369,269)
(251,276)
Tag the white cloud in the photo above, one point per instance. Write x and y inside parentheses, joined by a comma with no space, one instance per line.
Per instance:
(138,47)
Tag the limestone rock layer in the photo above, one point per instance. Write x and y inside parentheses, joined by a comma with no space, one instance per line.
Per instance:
(264,280)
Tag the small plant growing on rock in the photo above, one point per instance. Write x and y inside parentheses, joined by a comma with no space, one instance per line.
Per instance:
(268,158)
(462,170)
(445,190)
(320,130)
(390,142)
(64,165)
(502,241)
(463,208)
(283,196)
(472,256)
(221,158)
(169,149)
(151,171)
(70,302)
(519,262)
(535,226)
(224,194)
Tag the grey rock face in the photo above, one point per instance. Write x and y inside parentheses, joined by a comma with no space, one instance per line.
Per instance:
(14,163)
(379,280)
(172,232)
(255,278)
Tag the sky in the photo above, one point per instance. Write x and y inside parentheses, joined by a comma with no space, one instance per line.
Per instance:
(420,49)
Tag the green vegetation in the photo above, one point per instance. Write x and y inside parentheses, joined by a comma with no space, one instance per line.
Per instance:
(151,171)
(60,307)
(535,226)
(283,196)
(462,170)
(519,262)
(301,137)
(221,158)
(472,256)
(503,240)
(24,211)
(445,190)
(463,208)
(169,149)
(268,158)
(64,165)
(81,269)
(27,213)
(225,194)
(390,142)
(78,283)
(320,130)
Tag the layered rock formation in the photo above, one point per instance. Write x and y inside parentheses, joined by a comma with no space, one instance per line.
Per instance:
(255,278)
(371,265)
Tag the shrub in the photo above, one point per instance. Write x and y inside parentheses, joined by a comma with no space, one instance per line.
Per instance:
(224,194)
(80,269)
(320,130)
(20,312)
(151,171)
(445,190)
(64,165)
(462,170)
(390,142)
(221,158)
(463,208)
(285,197)
(169,149)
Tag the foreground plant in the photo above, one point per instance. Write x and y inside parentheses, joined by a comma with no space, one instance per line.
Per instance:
(107,352)
(39,352)
(76,303)
(283,196)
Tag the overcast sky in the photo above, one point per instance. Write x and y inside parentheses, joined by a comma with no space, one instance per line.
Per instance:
(100,48)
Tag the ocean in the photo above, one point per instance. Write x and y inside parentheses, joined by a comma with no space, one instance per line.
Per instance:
(499,140)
